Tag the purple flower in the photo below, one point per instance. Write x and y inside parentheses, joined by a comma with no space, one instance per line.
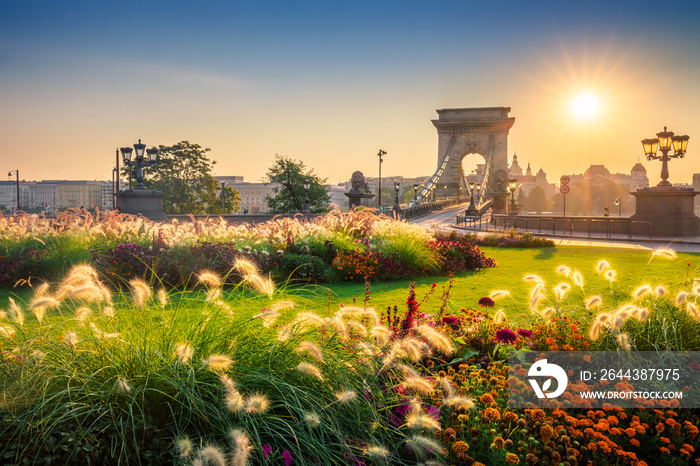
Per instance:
(402,409)
(486,302)
(450,320)
(433,412)
(287,455)
(266,449)
(506,336)
(525,333)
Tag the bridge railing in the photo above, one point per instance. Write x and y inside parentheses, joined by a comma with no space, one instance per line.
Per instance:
(409,212)
(589,226)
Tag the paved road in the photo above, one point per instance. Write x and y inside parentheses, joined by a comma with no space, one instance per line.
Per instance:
(444,220)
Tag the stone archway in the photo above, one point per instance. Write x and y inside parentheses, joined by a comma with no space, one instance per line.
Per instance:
(484,131)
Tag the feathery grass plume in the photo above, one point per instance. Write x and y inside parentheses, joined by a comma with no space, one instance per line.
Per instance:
(256,404)
(184,352)
(162,297)
(602,266)
(268,317)
(3,315)
(16,314)
(436,338)
(594,332)
(692,310)
(561,290)
(83,314)
(380,334)
(696,288)
(228,383)
(243,447)
(246,267)
(418,384)
(234,400)
(641,291)
(499,318)
(619,319)
(218,362)
(339,325)
(209,279)
(309,319)
(419,420)
(577,278)
(664,253)
(108,311)
(564,270)
(89,293)
(376,453)
(372,315)
(459,402)
(184,446)
(213,295)
(414,348)
(623,341)
(681,297)
(357,327)
(536,294)
(7,331)
(141,291)
(41,290)
(642,314)
(660,291)
(308,368)
(420,444)
(311,348)
(592,302)
(211,454)
(610,275)
(346,396)
(312,419)
(46,302)
(122,385)
(281,305)
(603,318)
(262,285)
(499,294)
(447,387)
(285,332)
(533,278)
(63,291)
(71,339)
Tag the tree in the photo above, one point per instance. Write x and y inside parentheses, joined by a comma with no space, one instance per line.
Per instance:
(183,174)
(289,196)
(536,200)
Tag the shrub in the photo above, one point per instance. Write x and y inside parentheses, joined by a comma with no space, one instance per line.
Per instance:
(304,266)
(512,239)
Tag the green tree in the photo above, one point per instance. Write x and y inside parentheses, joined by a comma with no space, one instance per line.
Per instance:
(536,200)
(183,174)
(289,196)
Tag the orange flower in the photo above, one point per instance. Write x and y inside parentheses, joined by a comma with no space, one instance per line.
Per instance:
(630,432)
(664,440)
(660,427)
(512,458)
(664,450)
(634,442)
(587,358)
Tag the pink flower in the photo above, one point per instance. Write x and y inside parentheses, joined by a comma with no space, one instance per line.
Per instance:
(450,320)
(287,455)
(486,302)
(266,449)
(506,336)
(525,333)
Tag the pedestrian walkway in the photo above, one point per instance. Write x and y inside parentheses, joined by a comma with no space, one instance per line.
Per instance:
(445,221)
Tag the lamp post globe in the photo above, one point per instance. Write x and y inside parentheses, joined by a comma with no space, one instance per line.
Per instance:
(664,141)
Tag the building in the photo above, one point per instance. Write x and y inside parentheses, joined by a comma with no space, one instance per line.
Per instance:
(78,194)
(8,195)
(253,195)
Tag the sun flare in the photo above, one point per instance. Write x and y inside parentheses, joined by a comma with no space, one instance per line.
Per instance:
(585,105)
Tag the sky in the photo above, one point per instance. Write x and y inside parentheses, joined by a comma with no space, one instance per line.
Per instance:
(331,82)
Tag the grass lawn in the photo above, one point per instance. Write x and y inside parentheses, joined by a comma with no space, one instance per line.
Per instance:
(633,269)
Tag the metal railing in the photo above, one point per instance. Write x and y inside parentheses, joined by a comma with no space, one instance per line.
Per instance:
(589,226)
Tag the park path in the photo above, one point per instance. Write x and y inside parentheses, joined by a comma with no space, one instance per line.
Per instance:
(444,221)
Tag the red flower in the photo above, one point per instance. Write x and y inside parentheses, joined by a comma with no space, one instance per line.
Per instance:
(486,302)
(506,336)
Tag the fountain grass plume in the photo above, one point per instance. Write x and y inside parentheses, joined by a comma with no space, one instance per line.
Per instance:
(242,447)
(218,362)
(642,291)
(312,349)
(310,369)
(437,339)
(602,266)
(593,302)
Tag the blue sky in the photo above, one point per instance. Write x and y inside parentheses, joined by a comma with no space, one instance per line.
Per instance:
(331,82)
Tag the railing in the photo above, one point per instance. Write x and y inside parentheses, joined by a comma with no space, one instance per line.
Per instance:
(607,226)
(424,208)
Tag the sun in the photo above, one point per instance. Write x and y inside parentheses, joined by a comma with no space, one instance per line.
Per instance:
(585,105)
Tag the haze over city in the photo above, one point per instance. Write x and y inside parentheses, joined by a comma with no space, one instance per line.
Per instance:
(330,83)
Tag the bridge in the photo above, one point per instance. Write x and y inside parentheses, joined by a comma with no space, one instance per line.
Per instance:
(465,131)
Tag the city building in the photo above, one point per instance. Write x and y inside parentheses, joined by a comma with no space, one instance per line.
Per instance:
(8,195)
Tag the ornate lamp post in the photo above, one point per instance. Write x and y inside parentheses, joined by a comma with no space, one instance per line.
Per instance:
(9,174)
(307,186)
(512,185)
(471,210)
(445,191)
(396,197)
(379,189)
(415,192)
(140,161)
(663,142)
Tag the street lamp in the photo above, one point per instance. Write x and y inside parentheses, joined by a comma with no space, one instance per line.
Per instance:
(396,197)
(9,174)
(471,210)
(663,142)
(307,186)
(223,197)
(618,202)
(379,189)
(140,161)
(415,192)
(445,191)
(512,184)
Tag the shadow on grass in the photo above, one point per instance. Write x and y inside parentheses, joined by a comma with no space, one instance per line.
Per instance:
(545,253)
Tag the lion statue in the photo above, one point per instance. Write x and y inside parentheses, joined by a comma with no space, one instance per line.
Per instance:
(358,183)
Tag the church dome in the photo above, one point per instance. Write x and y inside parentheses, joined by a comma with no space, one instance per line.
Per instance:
(638,167)
(596,170)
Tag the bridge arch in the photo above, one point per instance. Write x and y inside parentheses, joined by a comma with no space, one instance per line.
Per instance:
(464,131)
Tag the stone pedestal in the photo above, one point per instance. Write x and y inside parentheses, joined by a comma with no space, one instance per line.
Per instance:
(670,210)
(146,202)
(355,199)
(500,203)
